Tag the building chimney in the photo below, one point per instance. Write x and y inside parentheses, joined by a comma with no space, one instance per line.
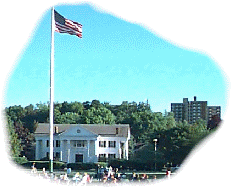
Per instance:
(195,98)
(56,130)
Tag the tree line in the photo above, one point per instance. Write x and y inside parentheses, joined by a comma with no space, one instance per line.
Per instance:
(174,139)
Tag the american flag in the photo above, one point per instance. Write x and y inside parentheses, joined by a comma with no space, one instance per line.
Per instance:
(64,25)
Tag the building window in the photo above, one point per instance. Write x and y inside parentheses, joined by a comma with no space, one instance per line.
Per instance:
(48,143)
(102,144)
(102,157)
(79,143)
(111,156)
(57,156)
(112,144)
(117,130)
(58,143)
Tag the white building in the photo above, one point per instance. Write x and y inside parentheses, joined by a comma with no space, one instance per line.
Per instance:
(83,142)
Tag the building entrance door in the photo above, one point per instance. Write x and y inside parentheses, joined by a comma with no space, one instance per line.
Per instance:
(79,158)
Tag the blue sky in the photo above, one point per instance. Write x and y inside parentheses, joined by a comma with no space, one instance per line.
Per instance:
(115,61)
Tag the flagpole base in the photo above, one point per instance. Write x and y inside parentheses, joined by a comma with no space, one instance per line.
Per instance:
(51,166)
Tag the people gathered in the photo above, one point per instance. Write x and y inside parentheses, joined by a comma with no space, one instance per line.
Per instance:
(104,175)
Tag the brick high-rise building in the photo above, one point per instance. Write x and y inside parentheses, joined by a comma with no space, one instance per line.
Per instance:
(193,110)
(214,111)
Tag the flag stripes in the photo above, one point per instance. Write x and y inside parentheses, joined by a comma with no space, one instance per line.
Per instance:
(63,25)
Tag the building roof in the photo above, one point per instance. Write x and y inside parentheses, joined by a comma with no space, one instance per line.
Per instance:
(214,106)
(119,130)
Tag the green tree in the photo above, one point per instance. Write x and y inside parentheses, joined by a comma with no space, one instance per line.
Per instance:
(42,113)
(77,107)
(96,104)
(98,115)
(15,112)
(30,118)
(26,140)
(68,118)
(171,123)
(86,105)
(15,143)
(29,109)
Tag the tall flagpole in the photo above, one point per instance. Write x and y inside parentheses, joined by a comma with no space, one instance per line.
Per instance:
(51,91)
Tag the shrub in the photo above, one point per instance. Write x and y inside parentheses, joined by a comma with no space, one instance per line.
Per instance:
(45,164)
(135,164)
(102,164)
(20,160)
(81,166)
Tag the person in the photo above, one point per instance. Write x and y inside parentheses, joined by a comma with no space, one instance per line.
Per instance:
(105,173)
(110,171)
(76,178)
(105,177)
(34,169)
(168,173)
(112,179)
(45,175)
(154,178)
(144,178)
(118,177)
(55,179)
(64,179)
(137,177)
(116,170)
(98,172)
(89,180)
(134,177)
(85,179)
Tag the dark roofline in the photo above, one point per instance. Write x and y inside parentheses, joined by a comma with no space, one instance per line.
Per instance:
(98,129)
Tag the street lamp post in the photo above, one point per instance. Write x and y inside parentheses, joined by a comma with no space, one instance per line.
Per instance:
(155,144)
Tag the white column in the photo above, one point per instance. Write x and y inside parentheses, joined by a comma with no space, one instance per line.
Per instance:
(97,148)
(88,148)
(68,150)
(60,142)
(61,155)
(126,149)
(119,149)
(37,150)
